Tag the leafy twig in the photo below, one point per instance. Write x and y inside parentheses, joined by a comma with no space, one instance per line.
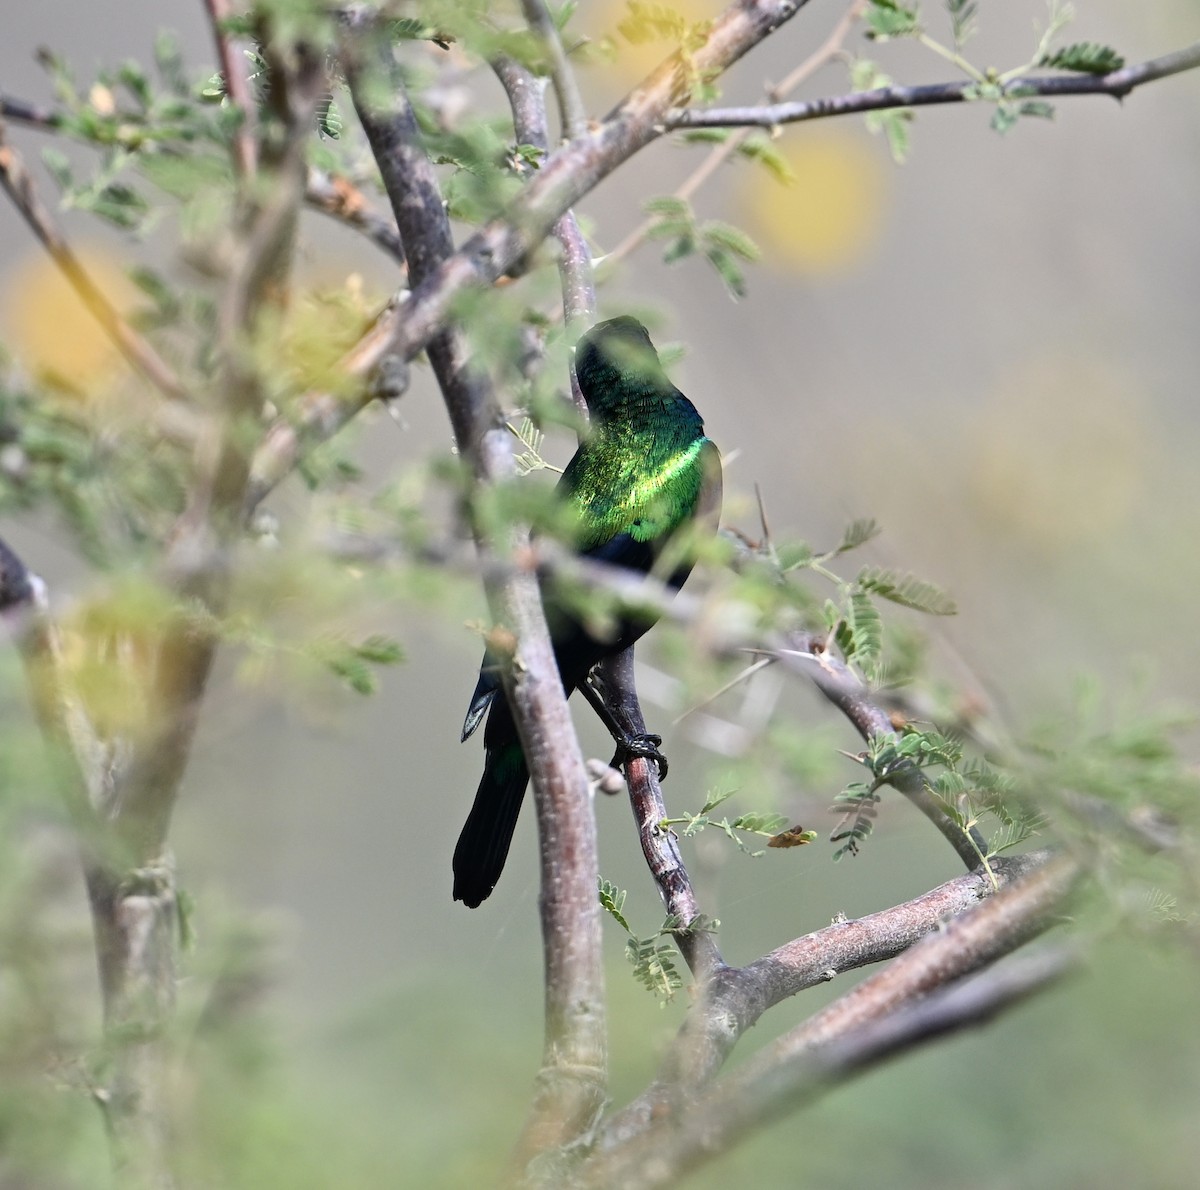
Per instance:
(18,183)
(1118,84)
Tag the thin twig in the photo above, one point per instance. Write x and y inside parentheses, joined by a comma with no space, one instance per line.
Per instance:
(737,997)
(615,684)
(800,652)
(526,97)
(1118,84)
(805,652)
(20,111)
(892,1009)
(339,198)
(719,154)
(237,88)
(18,183)
(572,113)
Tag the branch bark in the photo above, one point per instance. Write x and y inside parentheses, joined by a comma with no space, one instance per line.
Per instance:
(571,1086)
(910,1001)
(1118,84)
(134,912)
(736,997)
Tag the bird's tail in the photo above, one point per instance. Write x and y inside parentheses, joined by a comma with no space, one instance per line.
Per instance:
(485,839)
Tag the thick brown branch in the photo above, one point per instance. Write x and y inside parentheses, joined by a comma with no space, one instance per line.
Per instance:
(720,1122)
(407,326)
(572,1083)
(885,1014)
(736,997)
(1117,84)
(982,935)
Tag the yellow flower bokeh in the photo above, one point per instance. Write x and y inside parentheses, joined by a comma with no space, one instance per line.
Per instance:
(828,219)
(49,328)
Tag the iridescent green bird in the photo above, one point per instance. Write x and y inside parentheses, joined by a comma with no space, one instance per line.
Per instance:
(644,472)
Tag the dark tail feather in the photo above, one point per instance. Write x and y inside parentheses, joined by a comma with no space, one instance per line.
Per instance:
(485,839)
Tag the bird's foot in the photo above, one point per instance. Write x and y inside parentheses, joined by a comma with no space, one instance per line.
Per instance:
(642,744)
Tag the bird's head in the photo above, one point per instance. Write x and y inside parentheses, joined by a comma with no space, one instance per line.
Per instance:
(614,357)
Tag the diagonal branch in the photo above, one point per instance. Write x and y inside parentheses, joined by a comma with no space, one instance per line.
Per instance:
(407,326)
(719,1123)
(737,997)
(805,652)
(18,183)
(1118,84)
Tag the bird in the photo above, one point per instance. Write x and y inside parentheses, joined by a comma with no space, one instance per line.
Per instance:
(643,472)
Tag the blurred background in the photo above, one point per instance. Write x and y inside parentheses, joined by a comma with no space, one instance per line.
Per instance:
(993,351)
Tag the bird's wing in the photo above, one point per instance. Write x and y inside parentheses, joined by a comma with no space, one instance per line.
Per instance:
(485,691)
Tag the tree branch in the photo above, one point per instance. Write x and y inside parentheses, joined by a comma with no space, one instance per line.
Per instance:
(720,1122)
(526,97)
(198,560)
(980,936)
(736,997)
(18,184)
(805,652)
(719,154)
(572,113)
(133,913)
(571,1086)
(408,324)
(340,199)
(614,681)
(20,111)
(899,1007)
(1118,84)
(237,88)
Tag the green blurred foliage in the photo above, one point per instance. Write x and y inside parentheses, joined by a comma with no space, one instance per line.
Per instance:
(423,1077)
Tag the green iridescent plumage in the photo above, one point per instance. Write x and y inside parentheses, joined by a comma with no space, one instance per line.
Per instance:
(645,472)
